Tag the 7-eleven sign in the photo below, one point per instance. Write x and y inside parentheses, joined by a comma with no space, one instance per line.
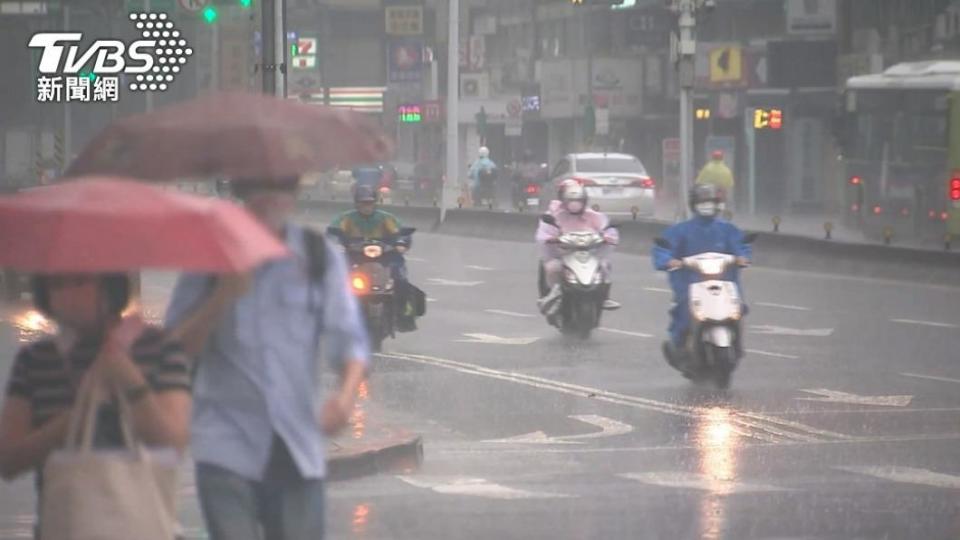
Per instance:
(303,54)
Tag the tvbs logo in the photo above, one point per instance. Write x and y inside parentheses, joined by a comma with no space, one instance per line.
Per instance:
(73,73)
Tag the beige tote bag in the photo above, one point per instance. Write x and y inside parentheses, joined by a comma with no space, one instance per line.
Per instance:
(107,494)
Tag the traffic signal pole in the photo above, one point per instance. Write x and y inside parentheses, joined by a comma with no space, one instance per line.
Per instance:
(273,39)
(686,58)
(451,187)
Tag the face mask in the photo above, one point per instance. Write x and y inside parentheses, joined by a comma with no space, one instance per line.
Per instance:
(706,209)
(575,207)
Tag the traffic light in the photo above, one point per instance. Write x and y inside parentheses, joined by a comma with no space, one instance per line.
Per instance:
(246,3)
(210,14)
(768,119)
(955,186)
(703,114)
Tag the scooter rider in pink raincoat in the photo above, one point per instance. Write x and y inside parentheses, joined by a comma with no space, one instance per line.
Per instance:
(573,214)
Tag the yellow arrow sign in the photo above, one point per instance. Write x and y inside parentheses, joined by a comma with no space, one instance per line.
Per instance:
(726,65)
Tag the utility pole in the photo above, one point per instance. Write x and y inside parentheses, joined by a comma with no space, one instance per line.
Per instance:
(452,184)
(67,119)
(273,37)
(686,54)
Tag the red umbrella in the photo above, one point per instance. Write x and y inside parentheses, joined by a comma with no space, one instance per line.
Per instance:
(238,135)
(102,224)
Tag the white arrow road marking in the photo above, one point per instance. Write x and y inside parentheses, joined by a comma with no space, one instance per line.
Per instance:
(453,283)
(608,428)
(908,475)
(480,268)
(783,331)
(684,480)
(773,354)
(625,333)
(429,299)
(657,289)
(761,427)
(833,396)
(925,323)
(509,313)
(783,306)
(931,377)
(536,437)
(489,339)
(476,487)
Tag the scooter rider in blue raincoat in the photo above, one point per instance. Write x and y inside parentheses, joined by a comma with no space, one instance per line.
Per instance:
(705,232)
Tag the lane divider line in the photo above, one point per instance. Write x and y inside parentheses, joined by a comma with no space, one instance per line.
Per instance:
(509,313)
(783,306)
(925,323)
(931,377)
(755,425)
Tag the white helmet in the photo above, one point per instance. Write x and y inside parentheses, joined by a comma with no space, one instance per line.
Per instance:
(484,152)
(573,196)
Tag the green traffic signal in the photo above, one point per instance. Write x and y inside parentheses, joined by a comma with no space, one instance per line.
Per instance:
(245,3)
(210,14)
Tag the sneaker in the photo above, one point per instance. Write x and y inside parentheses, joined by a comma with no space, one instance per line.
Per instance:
(611,305)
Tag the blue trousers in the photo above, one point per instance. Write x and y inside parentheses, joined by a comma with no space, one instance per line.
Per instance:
(283,506)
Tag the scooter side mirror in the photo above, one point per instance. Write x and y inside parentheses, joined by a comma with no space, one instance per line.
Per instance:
(750,238)
(407,231)
(661,242)
(549,219)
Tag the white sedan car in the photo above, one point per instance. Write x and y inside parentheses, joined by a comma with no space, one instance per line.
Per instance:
(617,183)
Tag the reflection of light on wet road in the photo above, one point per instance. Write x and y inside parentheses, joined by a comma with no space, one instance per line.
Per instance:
(361,515)
(31,325)
(363,391)
(718,444)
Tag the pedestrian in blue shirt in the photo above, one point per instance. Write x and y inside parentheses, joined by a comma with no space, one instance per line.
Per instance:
(260,422)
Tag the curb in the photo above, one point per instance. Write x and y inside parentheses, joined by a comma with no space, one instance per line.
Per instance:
(402,451)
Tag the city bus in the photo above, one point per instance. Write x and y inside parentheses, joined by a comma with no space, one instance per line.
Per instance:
(901,150)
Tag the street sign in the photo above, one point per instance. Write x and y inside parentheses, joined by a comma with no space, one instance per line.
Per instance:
(513,127)
(432,111)
(404,20)
(602,121)
(726,65)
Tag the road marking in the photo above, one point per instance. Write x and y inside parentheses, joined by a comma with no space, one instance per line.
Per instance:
(608,428)
(773,354)
(931,377)
(783,306)
(749,424)
(476,487)
(702,482)
(453,283)
(625,333)
(908,475)
(658,289)
(480,268)
(925,323)
(429,299)
(509,313)
(490,339)
(833,396)
(414,259)
(783,331)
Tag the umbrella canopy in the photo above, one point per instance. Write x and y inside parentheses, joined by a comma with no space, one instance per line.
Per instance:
(116,225)
(238,135)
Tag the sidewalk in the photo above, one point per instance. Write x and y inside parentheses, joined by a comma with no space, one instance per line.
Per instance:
(811,225)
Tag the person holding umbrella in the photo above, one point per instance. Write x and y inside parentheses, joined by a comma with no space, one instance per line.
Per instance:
(260,421)
(80,240)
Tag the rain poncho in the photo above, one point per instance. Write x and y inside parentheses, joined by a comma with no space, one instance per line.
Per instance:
(693,237)
(718,174)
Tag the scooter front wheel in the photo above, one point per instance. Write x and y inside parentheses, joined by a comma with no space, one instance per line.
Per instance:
(724,362)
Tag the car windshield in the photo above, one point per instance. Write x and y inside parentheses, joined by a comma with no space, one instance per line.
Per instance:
(611,165)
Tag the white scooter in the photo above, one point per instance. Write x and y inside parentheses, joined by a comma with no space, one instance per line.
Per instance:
(713,345)
(585,284)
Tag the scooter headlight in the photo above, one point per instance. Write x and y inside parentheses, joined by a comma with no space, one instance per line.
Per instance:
(372,252)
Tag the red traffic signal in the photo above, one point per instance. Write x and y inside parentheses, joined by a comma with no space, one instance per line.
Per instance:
(955,186)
